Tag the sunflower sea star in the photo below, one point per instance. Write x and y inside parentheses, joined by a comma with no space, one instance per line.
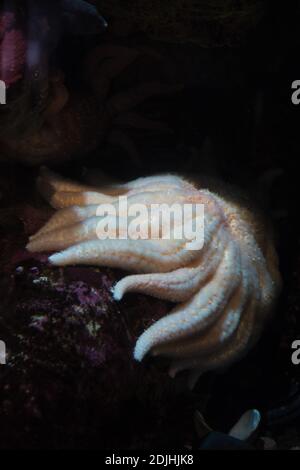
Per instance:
(225,291)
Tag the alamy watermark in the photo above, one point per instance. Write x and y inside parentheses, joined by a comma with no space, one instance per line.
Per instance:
(152,222)
(2,92)
(296,93)
(296,354)
(2,353)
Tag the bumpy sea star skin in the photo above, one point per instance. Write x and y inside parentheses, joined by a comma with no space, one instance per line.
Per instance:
(225,291)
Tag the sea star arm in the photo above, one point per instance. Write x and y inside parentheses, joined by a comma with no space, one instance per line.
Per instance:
(195,315)
(225,291)
(145,256)
(221,331)
(175,286)
(239,345)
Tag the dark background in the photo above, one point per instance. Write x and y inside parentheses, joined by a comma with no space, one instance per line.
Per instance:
(234,119)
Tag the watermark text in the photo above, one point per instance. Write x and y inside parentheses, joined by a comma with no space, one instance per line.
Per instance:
(2,353)
(2,92)
(152,222)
